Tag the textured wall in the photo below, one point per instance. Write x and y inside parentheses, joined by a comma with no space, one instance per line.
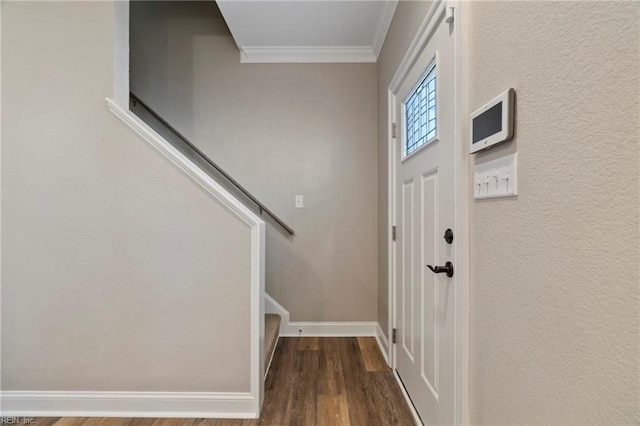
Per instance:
(554,291)
(280,130)
(406,21)
(118,273)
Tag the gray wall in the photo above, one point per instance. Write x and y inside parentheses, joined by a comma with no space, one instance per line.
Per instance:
(280,130)
(118,272)
(554,273)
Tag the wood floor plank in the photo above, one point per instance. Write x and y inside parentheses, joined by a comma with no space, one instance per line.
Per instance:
(44,421)
(303,408)
(141,421)
(71,421)
(222,422)
(360,410)
(333,410)
(331,374)
(373,359)
(106,421)
(391,407)
(280,382)
(330,344)
(309,344)
(173,422)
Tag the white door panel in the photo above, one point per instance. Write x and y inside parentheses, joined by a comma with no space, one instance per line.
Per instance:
(425,208)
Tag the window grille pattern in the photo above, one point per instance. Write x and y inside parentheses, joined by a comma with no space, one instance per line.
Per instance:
(420,112)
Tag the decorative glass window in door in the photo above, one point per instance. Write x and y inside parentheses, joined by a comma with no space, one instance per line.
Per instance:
(420,112)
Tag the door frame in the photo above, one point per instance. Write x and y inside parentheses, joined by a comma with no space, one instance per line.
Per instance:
(461,185)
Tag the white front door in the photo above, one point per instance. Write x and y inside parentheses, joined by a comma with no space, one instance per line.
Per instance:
(424,111)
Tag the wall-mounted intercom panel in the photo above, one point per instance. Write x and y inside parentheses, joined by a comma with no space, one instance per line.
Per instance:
(493,122)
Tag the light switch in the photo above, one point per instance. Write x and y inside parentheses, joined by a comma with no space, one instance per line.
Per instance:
(497,178)
(299,201)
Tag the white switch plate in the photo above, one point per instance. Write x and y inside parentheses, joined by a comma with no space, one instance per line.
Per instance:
(299,201)
(497,178)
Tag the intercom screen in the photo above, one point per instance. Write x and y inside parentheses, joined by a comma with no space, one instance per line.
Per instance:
(487,123)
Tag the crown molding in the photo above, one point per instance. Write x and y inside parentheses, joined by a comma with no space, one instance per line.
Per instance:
(382,27)
(306,54)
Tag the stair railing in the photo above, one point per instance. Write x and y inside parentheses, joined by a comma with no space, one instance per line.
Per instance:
(135,101)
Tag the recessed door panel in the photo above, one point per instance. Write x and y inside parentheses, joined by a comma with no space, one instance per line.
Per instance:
(429,246)
(407,270)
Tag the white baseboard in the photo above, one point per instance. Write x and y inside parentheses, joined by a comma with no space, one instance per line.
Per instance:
(129,404)
(331,329)
(383,343)
(271,306)
(317,329)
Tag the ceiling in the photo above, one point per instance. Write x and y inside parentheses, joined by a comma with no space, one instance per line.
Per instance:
(308,30)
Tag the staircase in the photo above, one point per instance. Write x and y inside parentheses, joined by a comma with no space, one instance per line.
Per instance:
(271,335)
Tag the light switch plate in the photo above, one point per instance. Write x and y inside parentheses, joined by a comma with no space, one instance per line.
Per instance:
(299,201)
(497,178)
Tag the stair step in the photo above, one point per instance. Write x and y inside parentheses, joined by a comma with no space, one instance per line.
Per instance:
(271,334)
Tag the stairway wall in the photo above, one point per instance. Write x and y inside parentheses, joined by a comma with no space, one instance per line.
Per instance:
(118,273)
(280,130)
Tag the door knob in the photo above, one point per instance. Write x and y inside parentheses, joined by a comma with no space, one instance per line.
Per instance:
(447,268)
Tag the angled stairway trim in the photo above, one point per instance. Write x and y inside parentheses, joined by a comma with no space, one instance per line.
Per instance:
(128,404)
(213,188)
(273,307)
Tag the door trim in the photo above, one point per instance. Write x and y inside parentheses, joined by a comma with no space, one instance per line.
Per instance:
(461,186)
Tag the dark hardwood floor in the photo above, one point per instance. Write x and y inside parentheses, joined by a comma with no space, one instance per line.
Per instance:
(312,381)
